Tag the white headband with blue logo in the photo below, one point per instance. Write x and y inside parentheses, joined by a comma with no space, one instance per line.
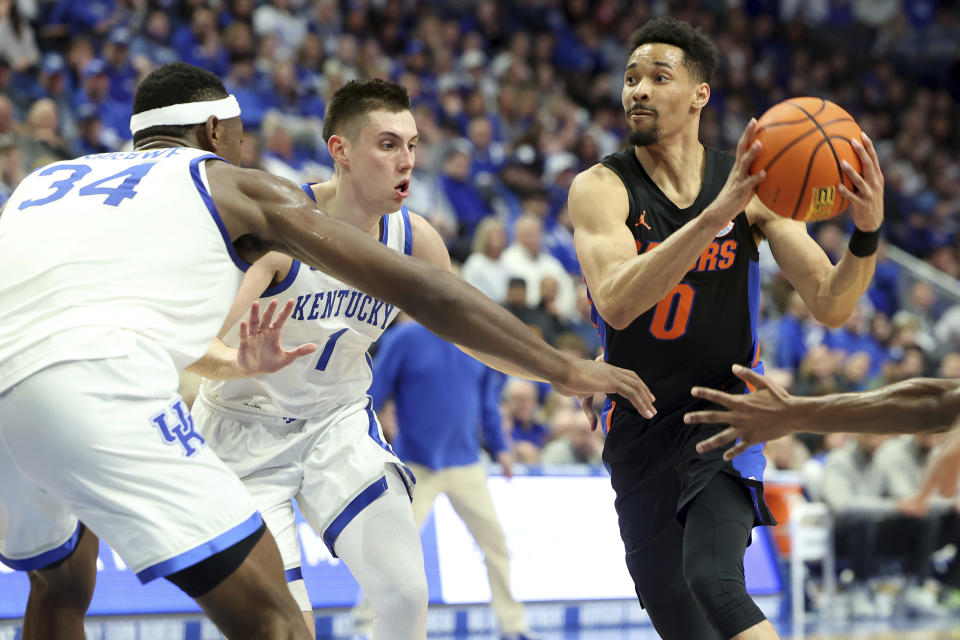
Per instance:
(185,113)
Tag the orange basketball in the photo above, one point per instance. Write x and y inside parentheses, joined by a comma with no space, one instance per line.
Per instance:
(804,141)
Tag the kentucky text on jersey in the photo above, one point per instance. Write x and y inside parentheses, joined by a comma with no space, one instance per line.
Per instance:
(345,303)
(718,256)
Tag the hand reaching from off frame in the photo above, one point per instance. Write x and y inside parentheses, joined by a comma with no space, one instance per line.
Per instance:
(260,350)
(766,414)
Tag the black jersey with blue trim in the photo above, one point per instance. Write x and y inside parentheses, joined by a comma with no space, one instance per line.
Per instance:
(704,324)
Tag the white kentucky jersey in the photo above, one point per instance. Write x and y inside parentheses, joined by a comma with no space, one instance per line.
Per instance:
(341,320)
(98,249)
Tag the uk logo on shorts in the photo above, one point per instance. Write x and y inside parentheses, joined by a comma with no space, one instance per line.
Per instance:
(182,430)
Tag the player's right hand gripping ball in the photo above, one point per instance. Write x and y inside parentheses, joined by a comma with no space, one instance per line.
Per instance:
(804,141)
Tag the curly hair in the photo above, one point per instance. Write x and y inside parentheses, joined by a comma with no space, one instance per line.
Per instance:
(699,54)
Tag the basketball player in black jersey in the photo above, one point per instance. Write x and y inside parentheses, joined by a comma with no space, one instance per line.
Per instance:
(667,233)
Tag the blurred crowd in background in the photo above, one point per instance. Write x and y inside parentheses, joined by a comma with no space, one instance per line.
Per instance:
(512,100)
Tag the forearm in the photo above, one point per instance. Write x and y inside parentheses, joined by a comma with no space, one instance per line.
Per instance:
(218,363)
(437,299)
(504,366)
(911,406)
(638,284)
(842,288)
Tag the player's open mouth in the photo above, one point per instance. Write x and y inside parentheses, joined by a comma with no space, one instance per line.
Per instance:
(402,189)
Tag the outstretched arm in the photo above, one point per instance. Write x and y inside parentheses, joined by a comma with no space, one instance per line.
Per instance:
(278,215)
(920,404)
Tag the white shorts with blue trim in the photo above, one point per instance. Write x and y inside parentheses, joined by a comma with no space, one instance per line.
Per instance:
(110,443)
(333,467)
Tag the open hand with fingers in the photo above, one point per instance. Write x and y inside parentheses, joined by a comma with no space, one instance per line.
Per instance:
(260,350)
(766,414)
(741,184)
(867,196)
(587,377)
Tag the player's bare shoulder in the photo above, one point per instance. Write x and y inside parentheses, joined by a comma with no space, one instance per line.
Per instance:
(256,207)
(597,194)
(251,184)
(276,264)
(428,245)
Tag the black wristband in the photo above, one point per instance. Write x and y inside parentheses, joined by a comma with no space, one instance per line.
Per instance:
(864,243)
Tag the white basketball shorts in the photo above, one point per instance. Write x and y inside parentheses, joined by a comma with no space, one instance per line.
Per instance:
(333,467)
(109,442)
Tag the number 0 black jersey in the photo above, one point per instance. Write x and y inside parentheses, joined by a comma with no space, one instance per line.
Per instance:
(704,324)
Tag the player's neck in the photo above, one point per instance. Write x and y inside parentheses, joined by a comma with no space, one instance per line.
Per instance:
(341,199)
(155,142)
(670,164)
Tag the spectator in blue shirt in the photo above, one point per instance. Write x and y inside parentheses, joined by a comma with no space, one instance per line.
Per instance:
(487,155)
(443,399)
(792,329)
(884,288)
(244,84)
(853,337)
(465,199)
(123,77)
(528,435)
(95,91)
(91,16)
(90,140)
(153,43)
(200,44)
(53,83)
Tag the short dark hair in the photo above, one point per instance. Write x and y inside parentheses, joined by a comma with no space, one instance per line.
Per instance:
(699,54)
(354,100)
(174,83)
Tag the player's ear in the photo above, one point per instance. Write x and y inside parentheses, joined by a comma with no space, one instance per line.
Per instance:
(339,148)
(210,136)
(701,96)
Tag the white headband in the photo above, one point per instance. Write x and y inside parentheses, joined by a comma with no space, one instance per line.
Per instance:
(185,113)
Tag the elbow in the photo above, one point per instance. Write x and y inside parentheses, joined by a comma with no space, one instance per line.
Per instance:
(830,317)
(614,313)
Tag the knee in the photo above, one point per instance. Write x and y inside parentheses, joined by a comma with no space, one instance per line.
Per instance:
(69,584)
(656,581)
(721,593)
(62,588)
(711,581)
(700,576)
(407,600)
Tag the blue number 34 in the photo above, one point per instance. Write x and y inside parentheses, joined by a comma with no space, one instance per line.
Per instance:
(115,194)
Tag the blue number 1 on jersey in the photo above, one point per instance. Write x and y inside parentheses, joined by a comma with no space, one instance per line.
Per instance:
(324,358)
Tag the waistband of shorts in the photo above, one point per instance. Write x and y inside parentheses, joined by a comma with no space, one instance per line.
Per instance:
(241,411)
